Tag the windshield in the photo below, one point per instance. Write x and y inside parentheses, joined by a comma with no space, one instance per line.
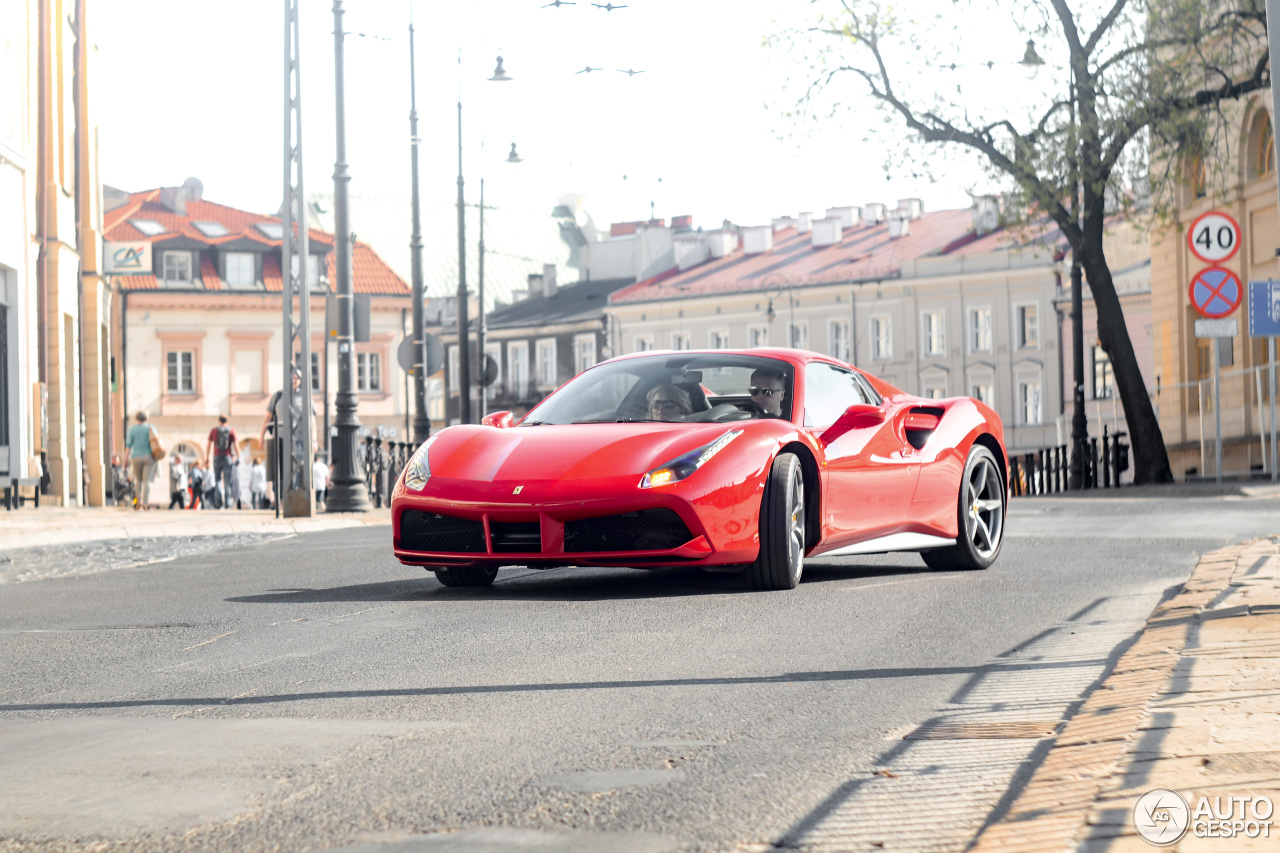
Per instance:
(685,388)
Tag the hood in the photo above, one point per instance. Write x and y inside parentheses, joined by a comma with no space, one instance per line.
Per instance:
(565,452)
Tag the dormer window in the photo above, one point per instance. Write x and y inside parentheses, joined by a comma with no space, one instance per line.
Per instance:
(240,269)
(147,226)
(177,267)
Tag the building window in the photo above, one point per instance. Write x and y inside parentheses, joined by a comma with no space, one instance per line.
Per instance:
(643,343)
(1028,326)
(983,391)
(680,341)
(935,390)
(980,330)
(798,335)
(177,267)
(1029,401)
(758,336)
(839,340)
(435,400)
(181,372)
(881,338)
(368,371)
(1264,152)
(718,339)
(454,370)
(1104,379)
(935,342)
(584,352)
(547,363)
(240,269)
(518,362)
(316,375)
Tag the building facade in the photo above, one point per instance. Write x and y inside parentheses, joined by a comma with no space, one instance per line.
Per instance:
(54,303)
(1242,184)
(200,324)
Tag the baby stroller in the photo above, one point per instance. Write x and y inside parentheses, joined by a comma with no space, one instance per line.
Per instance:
(122,489)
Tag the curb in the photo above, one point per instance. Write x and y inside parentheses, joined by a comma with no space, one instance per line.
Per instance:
(1052,810)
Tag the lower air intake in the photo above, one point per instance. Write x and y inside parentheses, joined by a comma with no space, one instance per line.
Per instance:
(429,531)
(646,530)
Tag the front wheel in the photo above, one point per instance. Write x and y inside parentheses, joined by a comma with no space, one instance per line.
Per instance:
(782,545)
(980,516)
(467,575)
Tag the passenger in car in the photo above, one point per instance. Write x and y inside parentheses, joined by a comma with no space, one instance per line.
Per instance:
(768,389)
(668,403)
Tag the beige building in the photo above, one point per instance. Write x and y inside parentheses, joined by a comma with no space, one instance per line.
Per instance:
(54,333)
(1244,187)
(201,321)
(939,304)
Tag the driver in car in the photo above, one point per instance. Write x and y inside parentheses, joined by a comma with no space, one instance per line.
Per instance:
(768,388)
(668,403)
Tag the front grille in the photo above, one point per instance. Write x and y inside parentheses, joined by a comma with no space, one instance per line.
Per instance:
(516,536)
(429,531)
(646,530)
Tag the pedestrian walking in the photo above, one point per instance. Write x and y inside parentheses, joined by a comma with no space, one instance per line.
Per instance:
(225,454)
(177,483)
(196,479)
(138,456)
(258,484)
(320,480)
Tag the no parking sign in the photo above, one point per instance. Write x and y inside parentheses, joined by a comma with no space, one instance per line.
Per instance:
(1216,292)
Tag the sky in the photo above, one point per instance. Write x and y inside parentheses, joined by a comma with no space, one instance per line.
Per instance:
(196,89)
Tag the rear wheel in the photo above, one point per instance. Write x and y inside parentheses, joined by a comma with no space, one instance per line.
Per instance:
(467,575)
(782,544)
(980,516)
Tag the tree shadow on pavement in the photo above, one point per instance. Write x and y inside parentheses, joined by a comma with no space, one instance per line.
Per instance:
(570,584)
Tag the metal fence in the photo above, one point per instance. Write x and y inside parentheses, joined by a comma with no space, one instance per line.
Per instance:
(1048,470)
(383,460)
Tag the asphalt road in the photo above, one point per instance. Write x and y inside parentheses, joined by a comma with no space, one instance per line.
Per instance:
(312,693)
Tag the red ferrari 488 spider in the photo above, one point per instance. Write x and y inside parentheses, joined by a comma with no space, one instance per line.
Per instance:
(733,461)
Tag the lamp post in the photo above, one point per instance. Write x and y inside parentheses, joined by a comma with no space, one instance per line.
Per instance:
(781,281)
(348,493)
(421,419)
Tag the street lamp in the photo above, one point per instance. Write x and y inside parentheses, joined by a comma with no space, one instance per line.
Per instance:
(782,281)
(421,418)
(348,493)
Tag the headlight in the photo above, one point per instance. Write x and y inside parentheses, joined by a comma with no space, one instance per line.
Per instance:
(418,471)
(683,466)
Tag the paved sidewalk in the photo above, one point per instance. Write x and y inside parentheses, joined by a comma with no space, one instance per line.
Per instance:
(1192,706)
(27,527)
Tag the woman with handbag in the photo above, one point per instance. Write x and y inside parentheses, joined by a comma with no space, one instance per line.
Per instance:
(141,450)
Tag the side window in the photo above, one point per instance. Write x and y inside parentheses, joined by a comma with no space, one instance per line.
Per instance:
(828,391)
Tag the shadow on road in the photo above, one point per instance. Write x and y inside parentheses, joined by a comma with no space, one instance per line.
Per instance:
(569,584)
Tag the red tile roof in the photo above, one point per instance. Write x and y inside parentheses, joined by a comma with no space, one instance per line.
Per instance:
(865,252)
(370,273)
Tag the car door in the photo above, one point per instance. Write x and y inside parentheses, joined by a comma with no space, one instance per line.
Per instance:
(871,471)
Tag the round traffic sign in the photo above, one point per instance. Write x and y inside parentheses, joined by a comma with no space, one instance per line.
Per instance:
(1216,292)
(1214,237)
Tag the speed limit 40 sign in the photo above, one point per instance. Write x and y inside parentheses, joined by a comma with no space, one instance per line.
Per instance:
(1214,237)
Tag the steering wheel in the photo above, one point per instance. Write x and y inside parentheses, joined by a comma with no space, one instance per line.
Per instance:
(753,407)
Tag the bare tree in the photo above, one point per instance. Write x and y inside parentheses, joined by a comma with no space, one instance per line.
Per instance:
(1117,81)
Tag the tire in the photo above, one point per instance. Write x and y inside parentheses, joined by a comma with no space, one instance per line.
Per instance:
(980,515)
(467,575)
(782,528)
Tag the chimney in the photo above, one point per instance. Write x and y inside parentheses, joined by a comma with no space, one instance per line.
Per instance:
(690,250)
(806,222)
(986,214)
(175,198)
(519,295)
(850,217)
(899,225)
(757,239)
(827,231)
(875,213)
(548,280)
(682,223)
(721,243)
(913,208)
(783,222)
(622,229)
(535,285)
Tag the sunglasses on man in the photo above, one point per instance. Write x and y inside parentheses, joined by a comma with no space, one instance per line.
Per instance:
(764,392)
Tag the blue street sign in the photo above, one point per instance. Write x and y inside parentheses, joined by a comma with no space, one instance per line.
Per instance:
(1264,309)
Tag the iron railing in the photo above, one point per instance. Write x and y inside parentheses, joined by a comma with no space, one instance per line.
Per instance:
(1048,470)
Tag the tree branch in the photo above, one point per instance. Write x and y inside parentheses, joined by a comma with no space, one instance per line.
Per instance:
(1104,25)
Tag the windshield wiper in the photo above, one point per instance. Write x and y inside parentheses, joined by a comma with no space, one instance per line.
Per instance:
(617,421)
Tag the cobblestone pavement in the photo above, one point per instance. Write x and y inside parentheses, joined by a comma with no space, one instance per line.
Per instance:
(82,558)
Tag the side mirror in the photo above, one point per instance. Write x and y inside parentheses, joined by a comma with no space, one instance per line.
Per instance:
(501,420)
